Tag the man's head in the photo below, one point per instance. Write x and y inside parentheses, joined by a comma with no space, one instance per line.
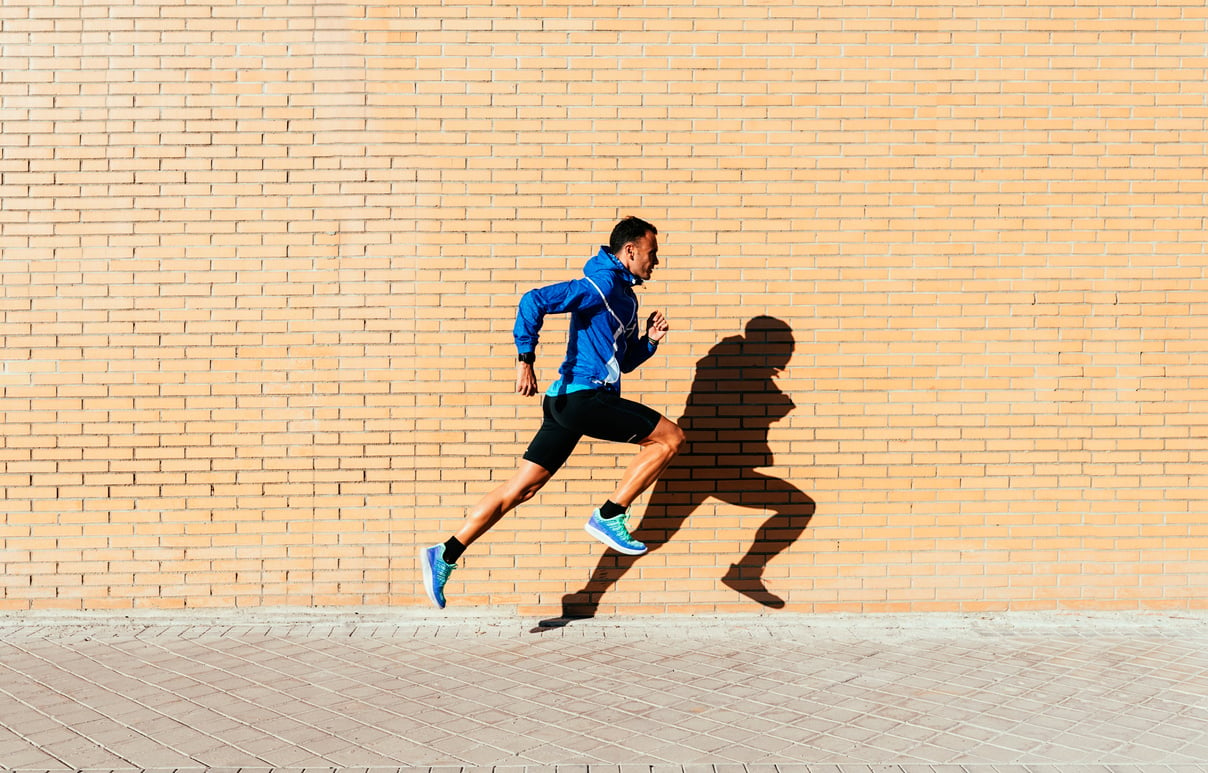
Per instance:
(635,243)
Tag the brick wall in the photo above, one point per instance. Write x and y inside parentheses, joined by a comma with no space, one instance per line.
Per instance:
(260,263)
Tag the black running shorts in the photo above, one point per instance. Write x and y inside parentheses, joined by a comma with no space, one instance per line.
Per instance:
(597,413)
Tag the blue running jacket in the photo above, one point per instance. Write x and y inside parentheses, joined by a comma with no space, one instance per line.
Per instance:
(603,341)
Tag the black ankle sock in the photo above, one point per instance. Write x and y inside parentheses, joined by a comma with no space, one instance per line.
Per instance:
(453,550)
(611,509)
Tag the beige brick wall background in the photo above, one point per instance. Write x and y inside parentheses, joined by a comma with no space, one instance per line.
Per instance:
(260,262)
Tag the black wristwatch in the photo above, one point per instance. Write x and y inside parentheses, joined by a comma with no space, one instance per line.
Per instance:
(527,358)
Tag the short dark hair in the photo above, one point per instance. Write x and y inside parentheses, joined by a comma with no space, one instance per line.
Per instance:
(628,230)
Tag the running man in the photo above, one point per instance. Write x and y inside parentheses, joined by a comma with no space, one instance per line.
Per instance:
(585,400)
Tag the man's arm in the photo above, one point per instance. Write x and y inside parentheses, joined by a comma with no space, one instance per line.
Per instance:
(530,316)
(644,348)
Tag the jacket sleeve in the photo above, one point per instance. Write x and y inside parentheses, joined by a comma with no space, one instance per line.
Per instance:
(638,351)
(553,299)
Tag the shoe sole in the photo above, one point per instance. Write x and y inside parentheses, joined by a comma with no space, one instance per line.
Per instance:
(603,537)
(428,581)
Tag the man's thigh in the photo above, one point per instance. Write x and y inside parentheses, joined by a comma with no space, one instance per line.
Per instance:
(605,415)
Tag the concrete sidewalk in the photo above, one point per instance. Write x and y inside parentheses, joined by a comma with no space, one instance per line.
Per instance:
(403,691)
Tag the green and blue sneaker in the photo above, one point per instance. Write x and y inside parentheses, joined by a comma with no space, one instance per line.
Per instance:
(614,532)
(436,573)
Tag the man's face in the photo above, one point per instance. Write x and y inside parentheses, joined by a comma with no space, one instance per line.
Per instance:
(641,256)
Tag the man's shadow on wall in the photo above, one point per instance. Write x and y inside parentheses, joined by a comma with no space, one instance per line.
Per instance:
(733,403)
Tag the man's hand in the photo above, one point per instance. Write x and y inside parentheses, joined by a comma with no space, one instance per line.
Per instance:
(656,326)
(526,379)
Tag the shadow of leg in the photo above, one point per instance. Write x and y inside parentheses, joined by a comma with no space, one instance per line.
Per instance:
(792,510)
(670,505)
(583,604)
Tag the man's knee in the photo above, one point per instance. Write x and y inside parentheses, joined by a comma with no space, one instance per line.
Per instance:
(525,493)
(670,437)
(528,481)
(678,438)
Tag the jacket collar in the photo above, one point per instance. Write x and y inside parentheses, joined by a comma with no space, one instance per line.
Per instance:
(619,266)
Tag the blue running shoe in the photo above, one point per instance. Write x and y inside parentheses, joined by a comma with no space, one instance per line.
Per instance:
(436,573)
(614,532)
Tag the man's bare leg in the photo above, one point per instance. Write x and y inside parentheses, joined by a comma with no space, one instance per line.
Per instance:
(609,523)
(651,461)
(438,561)
(523,486)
